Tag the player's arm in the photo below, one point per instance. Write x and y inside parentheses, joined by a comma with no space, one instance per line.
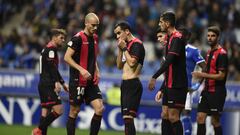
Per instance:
(173,53)
(119,61)
(222,63)
(51,55)
(72,45)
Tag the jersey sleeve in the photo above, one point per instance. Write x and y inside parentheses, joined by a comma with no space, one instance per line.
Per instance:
(136,50)
(222,62)
(197,57)
(52,57)
(176,46)
(75,43)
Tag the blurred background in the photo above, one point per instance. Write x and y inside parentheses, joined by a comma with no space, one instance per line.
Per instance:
(25,26)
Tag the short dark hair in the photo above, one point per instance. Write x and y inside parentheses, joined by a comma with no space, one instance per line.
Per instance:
(214,29)
(170,17)
(185,32)
(124,25)
(56,32)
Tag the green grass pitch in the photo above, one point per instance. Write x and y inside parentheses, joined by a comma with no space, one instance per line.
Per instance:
(26,130)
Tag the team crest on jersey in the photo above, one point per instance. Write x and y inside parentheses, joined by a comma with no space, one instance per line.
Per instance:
(51,54)
(70,43)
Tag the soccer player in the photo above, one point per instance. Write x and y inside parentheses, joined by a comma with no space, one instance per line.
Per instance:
(81,55)
(175,83)
(193,58)
(50,82)
(213,96)
(130,59)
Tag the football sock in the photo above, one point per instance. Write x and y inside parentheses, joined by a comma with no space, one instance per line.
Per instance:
(71,126)
(129,126)
(177,128)
(48,120)
(218,130)
(166,127)
(44,130)
(187,125)
(201,129)
(95,124)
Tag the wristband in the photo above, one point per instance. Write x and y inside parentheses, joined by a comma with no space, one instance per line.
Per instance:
(124,49)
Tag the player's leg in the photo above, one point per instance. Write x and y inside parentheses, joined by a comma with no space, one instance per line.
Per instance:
(93,96)
(72,116)
(75,99)
(176,103)
(216,106)
(166,124)
(187,122)
(215,119)
(202,113)
(98,107)
(174,118)
(186,115)
(57,111)
(131,93)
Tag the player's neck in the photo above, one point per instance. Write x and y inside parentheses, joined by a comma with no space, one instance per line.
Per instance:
(171,30)
(130,38)
(87,32)
(214,47)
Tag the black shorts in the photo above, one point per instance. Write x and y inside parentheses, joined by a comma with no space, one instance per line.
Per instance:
(131,93)
(174,98)
(48,96)
(212,102)
(79,95)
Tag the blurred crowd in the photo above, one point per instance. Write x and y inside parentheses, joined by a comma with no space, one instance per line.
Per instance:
(21,48)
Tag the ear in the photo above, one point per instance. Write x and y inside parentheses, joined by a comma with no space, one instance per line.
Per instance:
(127,31)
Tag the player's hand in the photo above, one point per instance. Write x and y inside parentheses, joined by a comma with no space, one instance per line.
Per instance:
(96,78)
(86,75)
(57,87)
(121,44)
(65,87)
(158,96)
(151,84)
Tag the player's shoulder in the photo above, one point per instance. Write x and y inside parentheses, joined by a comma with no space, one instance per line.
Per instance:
(189,46)
(222,51)
(177,34)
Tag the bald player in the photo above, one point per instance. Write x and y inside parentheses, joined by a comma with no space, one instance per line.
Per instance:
(81,55)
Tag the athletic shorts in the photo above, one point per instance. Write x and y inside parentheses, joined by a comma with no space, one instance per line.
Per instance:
(79,95)
(212,102)
(131,93)
(174,98)
(48,96)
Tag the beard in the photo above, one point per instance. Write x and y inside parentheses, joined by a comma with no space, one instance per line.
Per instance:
(212,43)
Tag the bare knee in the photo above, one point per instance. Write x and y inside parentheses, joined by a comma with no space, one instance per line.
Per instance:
(58,109)
(215,120)
(99,110)
(201,117)
(74,110)
(164,115)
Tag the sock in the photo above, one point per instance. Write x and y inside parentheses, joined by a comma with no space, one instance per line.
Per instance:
(48,120)
(71,126)
(95,124)
(187,124)
(201,129)
(177,128)
(218,130)
(166,127)
(44,130)
(129,126)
